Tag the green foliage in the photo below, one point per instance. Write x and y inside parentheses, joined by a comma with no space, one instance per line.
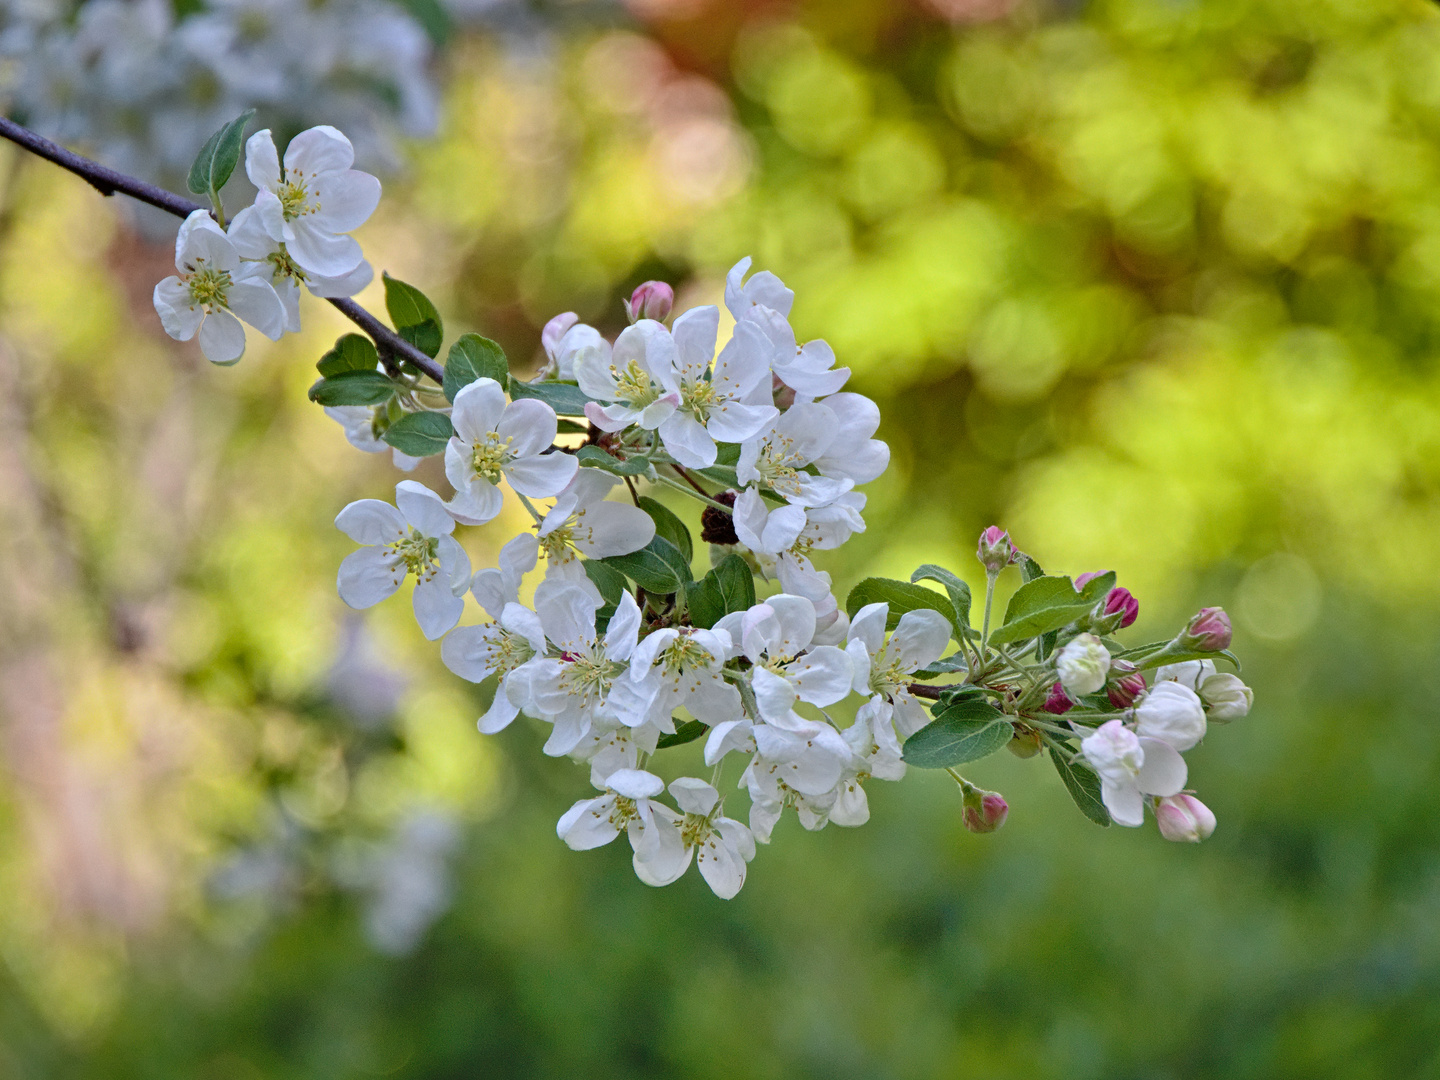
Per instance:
(594,457)
(352,352)
(958,591)
(420,434)
(353,388)
(1049,603)
(607,579)
(659,567)
(669,526)
(1083,786)
(729,587)
(414,316)
(686,733)
(218,157)
(474,357)
(967,730)
(902,596)
(566,399)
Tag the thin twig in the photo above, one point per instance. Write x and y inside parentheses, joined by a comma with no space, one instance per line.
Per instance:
(685,475)
(107,181)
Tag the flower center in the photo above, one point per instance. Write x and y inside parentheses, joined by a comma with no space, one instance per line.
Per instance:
(208,287)
(685,653)
(491,455)
(419,553)
(695,829)
(634,387)
(624,812)
(295,200)
(698,398)
(589,676)
(776,465)
(282,266)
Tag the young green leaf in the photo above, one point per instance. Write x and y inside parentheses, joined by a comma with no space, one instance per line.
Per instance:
(945,666)
(1048,603)
(685,733)
(658,567)
(1029,569)
(607,579)
(592,457)
(902,596)
(1084,788)
(959,592)
(1143,663)
(353,388)
(420,434)
(353,352)
(729,587)
(668,525)
(218,157)
(414,316)
(967,730)
(474,357)
(566,399)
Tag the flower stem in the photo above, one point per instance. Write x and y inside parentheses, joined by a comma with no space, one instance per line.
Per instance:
(660,479)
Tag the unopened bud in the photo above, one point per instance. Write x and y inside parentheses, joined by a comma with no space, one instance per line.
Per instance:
(1226,698)
(995,551)
(1058,701)
(1120,602)
(1083,665)
(652,300)
(1125,685)
(1208,631)
(1025,743)
(1184,818)
(985,811)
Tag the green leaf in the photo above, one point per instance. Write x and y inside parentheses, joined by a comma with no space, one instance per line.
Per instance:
(569,427)
(607,579)
(668,525)
(729,587)
(902,596)
(474,357)
(566,399)
(950,695)
(353,388)
(688,732)
(353,352)
(1029,569)
(727,454)
(1145,663)
(658,567)
(1048,603)
(420,434)
(218,157)
(945,666)
(959,592)
(414,316)
(1084,788)
(595,458)
(968,730)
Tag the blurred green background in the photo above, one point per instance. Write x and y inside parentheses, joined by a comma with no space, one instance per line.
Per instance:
(1155,284)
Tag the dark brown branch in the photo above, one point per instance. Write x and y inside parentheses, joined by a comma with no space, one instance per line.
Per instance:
(107,181)
(930,693)
(685,475)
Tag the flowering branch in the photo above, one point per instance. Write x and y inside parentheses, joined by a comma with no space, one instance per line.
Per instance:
(108,181)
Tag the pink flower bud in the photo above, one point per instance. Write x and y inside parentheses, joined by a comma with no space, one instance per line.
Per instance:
(985,811)
(1125,685)
(652,300)
(556,329)
(995,551)
(1121,602)
(1058,701)
(1184,818)
(1208,631)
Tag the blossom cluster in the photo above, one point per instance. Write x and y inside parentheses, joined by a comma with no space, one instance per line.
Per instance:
(294,234)
(616,646)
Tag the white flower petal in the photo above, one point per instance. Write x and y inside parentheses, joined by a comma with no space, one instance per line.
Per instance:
(423,509)
(370,521)
(319,252)
(262,162)
(180,316)
(437,608)
(368,576)
(316,150)
(542,476)
(478,408)
(346,200)
(222,338)
(259,305)
(1163,771)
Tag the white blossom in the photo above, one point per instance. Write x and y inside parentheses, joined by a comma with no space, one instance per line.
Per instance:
(255,245)
(875,752)
(314,200)
(1226,697)
(682,668)
(495,648)
(493,440)
(722,846)
(1131,767)
(213,291)
(413,539)
(1082,665)
(763,290)
(1192,673)
(777,636)
(628,378)
(854,454)
(725,406)
(882,668)
(583,522)
(497,586)
(777,457)
(1172,713)
(629,806)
